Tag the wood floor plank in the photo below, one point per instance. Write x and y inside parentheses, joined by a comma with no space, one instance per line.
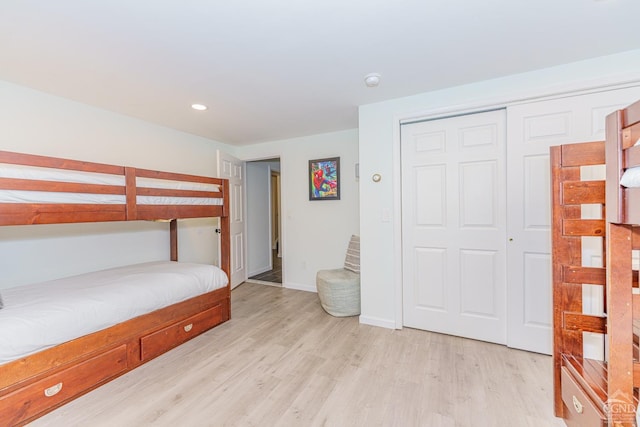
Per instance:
(282,361)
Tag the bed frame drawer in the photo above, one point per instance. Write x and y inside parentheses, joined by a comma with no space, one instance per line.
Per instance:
(158,342)
(47,393)
(580,411)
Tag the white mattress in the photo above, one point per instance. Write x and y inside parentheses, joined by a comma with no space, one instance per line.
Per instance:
(61,175)
(18,196)
(42,315)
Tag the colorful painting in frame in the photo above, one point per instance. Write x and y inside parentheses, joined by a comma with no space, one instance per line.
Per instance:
(324,179)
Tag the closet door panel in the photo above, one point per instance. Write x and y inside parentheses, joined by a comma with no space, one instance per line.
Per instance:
(531,129)
(453,220)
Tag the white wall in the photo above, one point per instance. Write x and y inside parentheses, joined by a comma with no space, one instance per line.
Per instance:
(315,234)
(378,150)
(38,123)
(258,224)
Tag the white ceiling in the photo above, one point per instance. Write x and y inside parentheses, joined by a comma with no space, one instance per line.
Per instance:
(274,69)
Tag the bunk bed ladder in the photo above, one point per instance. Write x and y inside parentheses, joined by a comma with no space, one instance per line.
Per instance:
(569,275)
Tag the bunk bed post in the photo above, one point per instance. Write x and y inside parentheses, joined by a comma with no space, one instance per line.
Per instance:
(173,236)
(615,197)
(131,193)
(621,409)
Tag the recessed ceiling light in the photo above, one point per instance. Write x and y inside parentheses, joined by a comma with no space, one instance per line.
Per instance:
(199,107)
(372,79)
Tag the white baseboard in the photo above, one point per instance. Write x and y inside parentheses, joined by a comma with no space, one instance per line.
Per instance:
(377,321)
(299,287)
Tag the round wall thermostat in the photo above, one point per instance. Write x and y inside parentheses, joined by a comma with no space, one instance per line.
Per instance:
(376,177)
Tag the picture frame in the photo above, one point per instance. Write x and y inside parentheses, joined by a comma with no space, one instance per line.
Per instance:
(324,179)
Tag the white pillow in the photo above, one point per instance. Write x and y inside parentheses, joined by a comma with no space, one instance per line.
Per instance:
(631,177)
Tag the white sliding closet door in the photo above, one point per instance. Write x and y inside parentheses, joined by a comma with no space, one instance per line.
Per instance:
(454,227)
(476,226)
(532,129)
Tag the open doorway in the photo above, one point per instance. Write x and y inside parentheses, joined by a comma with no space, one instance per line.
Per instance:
(264,231)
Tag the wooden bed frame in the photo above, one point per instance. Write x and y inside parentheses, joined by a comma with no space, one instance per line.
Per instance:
(39,383)
(592,392)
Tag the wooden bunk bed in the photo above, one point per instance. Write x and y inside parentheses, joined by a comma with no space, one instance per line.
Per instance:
(591,392)
(38,383)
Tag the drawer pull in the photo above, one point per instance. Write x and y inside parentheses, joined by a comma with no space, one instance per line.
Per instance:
(53,390)
(188,327)
(577,405)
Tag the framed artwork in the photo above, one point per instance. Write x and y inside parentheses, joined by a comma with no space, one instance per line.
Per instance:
(324,179)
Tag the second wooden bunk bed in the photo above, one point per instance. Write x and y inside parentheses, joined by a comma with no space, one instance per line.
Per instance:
(590,392)
(36,383)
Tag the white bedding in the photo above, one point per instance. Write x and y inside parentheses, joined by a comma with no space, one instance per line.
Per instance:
(42,315)
(631,178)
(61,175)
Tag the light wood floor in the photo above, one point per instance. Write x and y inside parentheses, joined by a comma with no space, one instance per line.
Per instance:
(281,361)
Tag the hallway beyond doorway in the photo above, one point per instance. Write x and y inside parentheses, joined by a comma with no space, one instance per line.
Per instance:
(273,276)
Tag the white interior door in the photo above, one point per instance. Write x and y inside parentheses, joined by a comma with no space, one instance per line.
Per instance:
(532,129)
(233,169)
(454,225)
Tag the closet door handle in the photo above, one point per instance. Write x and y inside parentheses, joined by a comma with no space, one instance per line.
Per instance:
(188,327)
(53,390)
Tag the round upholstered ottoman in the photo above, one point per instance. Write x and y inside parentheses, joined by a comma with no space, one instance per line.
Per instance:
(339,292)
